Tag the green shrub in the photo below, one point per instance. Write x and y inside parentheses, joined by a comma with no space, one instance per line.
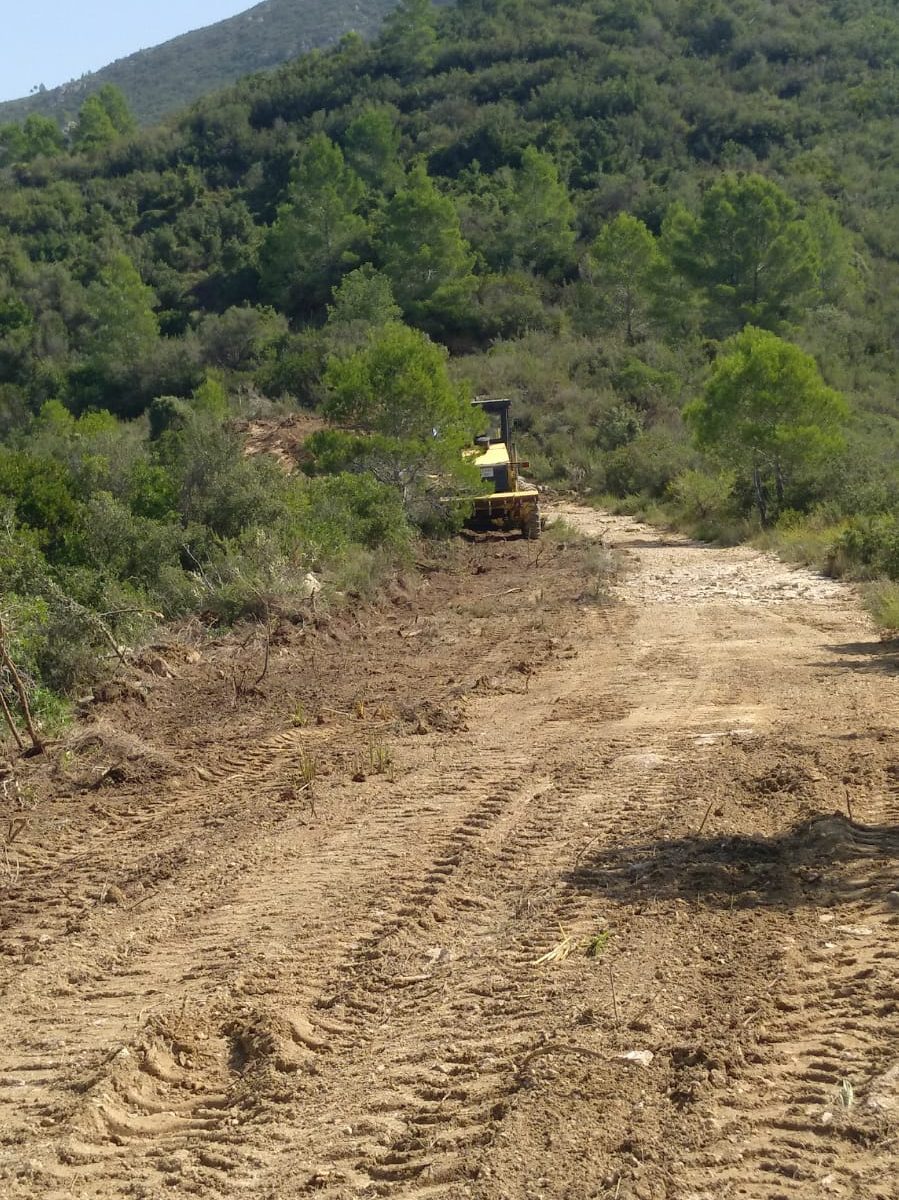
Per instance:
(882,602)
(52,712)
(619,426)
(246,576)
(360,573)
(296,370)
(130,548)
(648,464)
(165,413)
(511,305)
(40,492)
(152,492)
(698,495)
(217,485)
(329,514)
(600,565)
(869,546)
(427,475)
(808,538)
(240,338)
(70,649)
(563,532)
(55,645)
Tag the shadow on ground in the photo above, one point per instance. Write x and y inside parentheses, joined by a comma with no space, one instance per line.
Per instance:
(814,863)
(870,657)
(659,543)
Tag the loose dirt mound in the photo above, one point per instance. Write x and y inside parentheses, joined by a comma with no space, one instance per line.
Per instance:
(488,892)
(282,438)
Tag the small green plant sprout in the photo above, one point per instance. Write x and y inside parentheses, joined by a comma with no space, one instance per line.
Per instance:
(563,533)
(600,566)
(299,718)
(307,768)
(594,946)
(380,756)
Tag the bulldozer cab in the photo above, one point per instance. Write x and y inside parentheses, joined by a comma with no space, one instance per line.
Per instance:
(508,501)
(500,421)
(496,458)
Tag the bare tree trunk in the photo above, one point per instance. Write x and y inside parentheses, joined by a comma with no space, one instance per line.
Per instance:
(779,483)
(6,661)
(761,495)
(11,721)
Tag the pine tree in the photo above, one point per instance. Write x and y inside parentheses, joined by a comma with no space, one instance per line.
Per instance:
(423,253)
(749,251)
(102,119)
(409,37)
(372,144)
(124,324)
(313,239)
(622,265)
(537,226)
(767,413)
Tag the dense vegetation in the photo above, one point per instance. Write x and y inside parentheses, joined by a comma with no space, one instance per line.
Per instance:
(666,228)
(162,79)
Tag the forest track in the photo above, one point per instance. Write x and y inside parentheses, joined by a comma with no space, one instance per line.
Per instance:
(666,827)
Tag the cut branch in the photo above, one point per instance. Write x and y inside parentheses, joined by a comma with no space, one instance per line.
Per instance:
(7,662)
(10,721)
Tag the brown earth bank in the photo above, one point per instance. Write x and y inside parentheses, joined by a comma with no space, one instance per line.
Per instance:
(502,888)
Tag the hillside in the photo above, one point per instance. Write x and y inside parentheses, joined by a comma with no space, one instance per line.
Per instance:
(346,851)
(628,215)
(164,78)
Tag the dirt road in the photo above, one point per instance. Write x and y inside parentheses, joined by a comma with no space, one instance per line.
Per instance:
(499,893)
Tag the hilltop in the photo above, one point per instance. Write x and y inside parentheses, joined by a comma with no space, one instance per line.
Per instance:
(164,78)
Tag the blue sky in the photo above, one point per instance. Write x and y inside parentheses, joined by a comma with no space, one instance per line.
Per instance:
(52,41)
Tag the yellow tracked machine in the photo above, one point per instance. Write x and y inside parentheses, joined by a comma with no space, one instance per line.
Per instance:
(510,502)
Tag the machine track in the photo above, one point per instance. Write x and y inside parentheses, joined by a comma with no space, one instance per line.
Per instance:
(627,930)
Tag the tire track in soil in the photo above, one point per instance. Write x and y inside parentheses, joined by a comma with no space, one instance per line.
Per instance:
(256,770)
(126,1101)
(824,1088)
(445,1079)
(361,1012)
(126,1109)
(812,1107)
(261,770)
(128,1104)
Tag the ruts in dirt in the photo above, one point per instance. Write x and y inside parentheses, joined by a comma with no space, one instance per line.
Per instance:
(512,887)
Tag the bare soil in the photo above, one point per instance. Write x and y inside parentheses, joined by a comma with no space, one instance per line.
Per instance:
(281,438)
(493,890)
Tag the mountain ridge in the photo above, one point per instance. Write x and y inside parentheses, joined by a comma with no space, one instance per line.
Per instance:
(155,80)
